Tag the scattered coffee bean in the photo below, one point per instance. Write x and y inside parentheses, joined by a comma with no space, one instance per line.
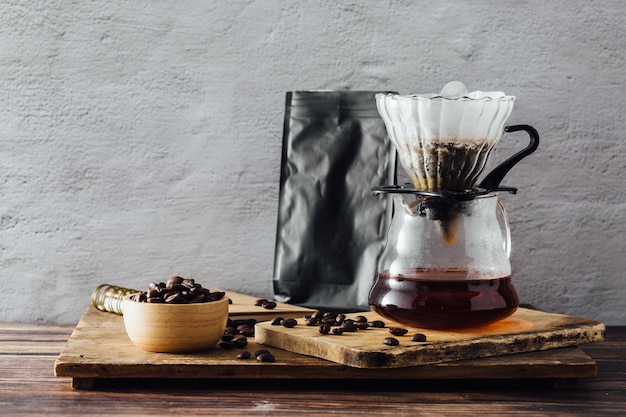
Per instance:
(276,321)
(349,327)
(269,305)
(227,345)
(260,302)
(391,341)
(316,314)
(398,331)
(241,342)
(289,323)
(228,337)
(337,323)
(251,322)
(243,326)
(244,355)
(266,357)
(248,332)
(418,337)
(311,322)
(324,328)
(260,351)
(360,319)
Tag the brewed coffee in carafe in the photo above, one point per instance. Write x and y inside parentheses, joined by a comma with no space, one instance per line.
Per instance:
(446,260)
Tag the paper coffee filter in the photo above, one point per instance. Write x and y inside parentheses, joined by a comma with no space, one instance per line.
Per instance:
(444,140)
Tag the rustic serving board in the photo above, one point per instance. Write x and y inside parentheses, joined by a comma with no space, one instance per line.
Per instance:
(526,331)
(100,349)
(242,307)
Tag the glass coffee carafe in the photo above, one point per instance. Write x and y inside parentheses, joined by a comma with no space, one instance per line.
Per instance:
(446,260)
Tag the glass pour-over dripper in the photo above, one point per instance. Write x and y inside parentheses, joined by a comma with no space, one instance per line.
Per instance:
(446,260)
(444,140)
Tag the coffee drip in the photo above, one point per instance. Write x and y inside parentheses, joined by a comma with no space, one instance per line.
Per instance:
(444,142)
(445,264)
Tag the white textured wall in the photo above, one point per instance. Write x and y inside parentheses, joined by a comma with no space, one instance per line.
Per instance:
(141,139)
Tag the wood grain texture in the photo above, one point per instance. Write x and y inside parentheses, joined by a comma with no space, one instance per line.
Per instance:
(99,349)
(28,387)
(162,327)
(242,307)
(525,331)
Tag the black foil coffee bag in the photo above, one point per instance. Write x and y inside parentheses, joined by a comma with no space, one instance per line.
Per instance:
(331,228)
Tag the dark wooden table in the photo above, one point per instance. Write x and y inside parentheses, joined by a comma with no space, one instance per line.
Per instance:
(28,386)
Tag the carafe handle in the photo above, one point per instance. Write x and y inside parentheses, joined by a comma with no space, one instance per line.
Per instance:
(503,220)
(494,178)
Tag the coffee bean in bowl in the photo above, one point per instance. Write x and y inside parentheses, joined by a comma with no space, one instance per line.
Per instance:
(175,316)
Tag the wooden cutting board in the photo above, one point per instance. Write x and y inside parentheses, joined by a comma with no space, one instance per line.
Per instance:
(525,331)
(242,307)
(99,349)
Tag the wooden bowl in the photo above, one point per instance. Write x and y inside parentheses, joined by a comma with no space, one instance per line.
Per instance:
(175,327)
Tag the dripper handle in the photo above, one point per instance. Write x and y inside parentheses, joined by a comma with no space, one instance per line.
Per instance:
(494,178)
